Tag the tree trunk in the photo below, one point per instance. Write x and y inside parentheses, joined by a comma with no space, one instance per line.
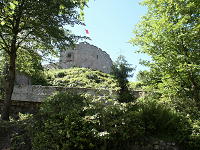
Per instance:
(9,86)
(10,76)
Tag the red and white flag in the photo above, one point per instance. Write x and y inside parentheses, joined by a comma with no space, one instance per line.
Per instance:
(87,31)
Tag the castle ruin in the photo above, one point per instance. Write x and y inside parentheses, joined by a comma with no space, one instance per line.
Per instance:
(86,56)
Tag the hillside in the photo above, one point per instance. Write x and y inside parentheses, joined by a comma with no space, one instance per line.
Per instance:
(80,77)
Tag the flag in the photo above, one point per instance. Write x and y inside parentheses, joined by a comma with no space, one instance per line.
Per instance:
(86,31)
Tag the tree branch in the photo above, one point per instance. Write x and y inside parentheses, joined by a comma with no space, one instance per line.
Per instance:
(18,44)
(6,48)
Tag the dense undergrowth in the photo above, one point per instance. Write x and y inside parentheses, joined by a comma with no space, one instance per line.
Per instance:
(67,121)
(88,123)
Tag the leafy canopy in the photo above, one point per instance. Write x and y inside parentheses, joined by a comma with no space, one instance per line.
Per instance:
(170,34)
(38,25)
(34,27)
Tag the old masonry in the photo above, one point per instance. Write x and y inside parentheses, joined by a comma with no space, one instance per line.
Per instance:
(83,55)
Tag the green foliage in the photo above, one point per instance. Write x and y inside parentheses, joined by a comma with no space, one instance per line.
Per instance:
(170,34)
(137,85)
(150,79)
(20,137)
(39,78)
(105,124)
(81,77)
(5,127)
(194,139)
(18,132)
(121,70)
(84,124)
(60,124)
(70,121)
(28,63)
(34,27)
(162,121)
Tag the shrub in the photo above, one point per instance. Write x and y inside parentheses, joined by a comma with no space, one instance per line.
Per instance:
(163,122)
(137,85)
(39,78)
(60,124)
(20,137)
(193,143)
(70,121)
(17,133)
(125,127)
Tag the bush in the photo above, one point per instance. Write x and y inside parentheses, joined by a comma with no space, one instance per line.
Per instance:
(138,85)
(193,143)
(60,124)
(17,133)
(125,127)
(20,137)
(114,124)
(163,122)
(39,78)
(70,121)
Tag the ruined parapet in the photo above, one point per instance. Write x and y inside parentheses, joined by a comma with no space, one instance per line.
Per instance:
(87,56)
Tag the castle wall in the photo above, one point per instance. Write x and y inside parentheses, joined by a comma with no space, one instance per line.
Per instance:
(22,79)
(87,56)
(36,93)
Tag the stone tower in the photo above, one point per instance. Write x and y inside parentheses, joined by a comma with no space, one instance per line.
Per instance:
(87,56)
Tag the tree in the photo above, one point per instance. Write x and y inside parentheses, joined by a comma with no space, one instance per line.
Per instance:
(170,34)
(121,70)
(34,27)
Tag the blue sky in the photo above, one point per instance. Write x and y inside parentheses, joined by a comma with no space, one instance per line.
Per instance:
(110,23)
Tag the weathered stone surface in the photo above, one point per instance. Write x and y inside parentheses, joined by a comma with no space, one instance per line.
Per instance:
(36,93)
(22,79)
(87,56)
(154,145)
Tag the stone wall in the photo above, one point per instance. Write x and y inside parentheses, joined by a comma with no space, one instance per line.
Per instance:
(22,107)
(36,93)
(154,145)
(22,79)
(87,56)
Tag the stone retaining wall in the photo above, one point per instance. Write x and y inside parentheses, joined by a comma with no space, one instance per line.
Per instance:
(36,93)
